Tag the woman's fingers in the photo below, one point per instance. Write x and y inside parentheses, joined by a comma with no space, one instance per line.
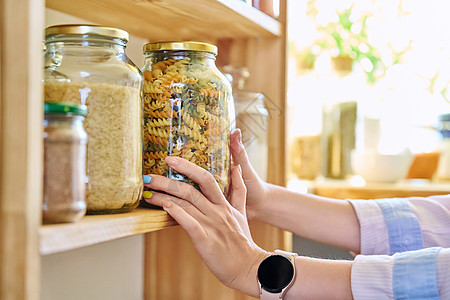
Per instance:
(238,191)
(240,156)
(189,223)
(180,190)
(158,199)
(202,177)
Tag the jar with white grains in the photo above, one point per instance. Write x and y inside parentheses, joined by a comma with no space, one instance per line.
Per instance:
(87,64)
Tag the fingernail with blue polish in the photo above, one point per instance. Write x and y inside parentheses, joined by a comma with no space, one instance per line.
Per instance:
(147,179)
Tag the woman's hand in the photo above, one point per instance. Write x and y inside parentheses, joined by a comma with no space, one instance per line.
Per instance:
(257,189)
(218,228)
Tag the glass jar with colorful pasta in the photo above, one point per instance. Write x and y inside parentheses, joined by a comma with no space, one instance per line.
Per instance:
(86,64)
(188,109)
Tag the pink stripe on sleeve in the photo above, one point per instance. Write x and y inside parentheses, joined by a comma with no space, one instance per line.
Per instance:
(433,214)
(374,233)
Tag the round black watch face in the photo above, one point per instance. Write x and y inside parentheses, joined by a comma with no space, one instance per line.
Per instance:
(275,273)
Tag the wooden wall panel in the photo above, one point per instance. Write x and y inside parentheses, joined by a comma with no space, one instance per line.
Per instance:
(175,271)
(20,147)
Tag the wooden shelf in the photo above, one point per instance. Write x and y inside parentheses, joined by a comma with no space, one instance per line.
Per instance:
(345,190)
(206,20)
(101,228)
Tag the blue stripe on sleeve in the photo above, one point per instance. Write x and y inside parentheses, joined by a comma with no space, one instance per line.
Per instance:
(403,226)
(414,275)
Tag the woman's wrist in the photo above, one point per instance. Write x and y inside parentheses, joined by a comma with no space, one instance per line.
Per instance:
(247,281)
(264,210)
(257,211)
(251,286)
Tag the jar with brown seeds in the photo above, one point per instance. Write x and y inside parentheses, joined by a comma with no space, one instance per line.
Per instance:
(64,163)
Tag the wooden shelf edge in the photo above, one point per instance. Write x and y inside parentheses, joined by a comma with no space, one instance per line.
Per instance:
(205,20)
(95,229)
(375,191)
(344,189)
(271,25)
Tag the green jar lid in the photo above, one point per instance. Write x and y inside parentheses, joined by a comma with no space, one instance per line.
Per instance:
(65,108)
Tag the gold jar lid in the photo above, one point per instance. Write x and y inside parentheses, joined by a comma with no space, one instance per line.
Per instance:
(87,29)
(181,46)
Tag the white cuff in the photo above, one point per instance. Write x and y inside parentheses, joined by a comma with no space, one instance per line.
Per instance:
(372,277)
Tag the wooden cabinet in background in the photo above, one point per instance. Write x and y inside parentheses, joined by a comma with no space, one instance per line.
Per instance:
(173,270)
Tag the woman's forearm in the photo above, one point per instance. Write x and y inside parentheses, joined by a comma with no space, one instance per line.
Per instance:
(325,220)
(321,279)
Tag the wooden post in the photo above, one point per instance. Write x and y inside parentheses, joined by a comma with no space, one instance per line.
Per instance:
(20,147)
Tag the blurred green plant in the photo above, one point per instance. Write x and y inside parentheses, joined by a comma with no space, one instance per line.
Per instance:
(442,89)
(347,37)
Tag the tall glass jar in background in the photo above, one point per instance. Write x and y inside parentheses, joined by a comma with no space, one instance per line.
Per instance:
(188,109)
(443,170)
(64,163)
(86,64)
(251,118)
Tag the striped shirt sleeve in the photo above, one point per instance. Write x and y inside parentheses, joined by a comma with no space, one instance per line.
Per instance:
(412,231)
(420,274)
(388,226)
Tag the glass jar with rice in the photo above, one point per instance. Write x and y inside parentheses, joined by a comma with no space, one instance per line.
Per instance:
(188,109)
(87,64)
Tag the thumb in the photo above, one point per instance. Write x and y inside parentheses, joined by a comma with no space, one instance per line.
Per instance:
(238,191)
(240,156)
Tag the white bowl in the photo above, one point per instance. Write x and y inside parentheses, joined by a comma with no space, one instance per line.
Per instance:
(377,167)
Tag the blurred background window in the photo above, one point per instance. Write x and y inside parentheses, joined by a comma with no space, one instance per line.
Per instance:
(365,78)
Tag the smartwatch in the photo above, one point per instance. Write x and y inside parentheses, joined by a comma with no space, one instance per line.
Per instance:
(276,274)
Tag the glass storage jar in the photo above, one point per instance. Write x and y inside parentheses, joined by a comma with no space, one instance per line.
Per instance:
(443,170)
(87,64)
(188,109)
(251,118)
(64,163)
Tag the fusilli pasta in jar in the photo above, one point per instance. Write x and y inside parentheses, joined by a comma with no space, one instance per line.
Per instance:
(188,109)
